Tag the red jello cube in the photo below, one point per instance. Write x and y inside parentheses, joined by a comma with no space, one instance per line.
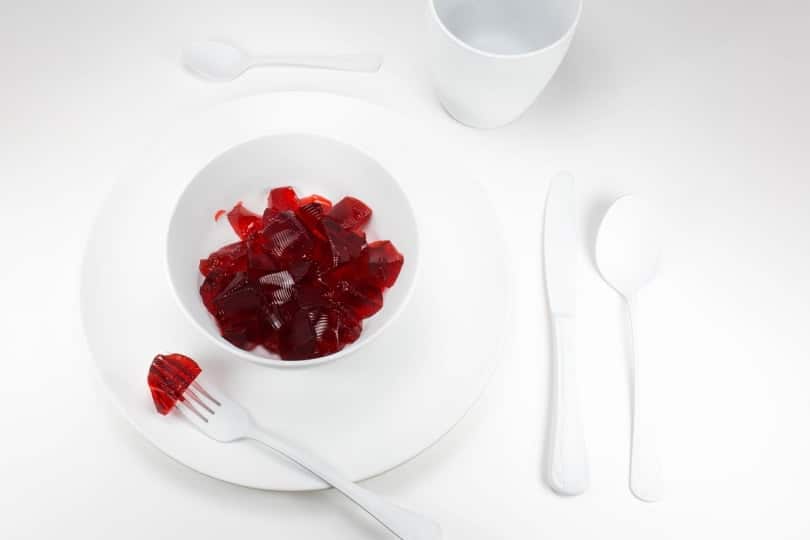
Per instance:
(235,309)
(297,340)
(313,294)
(243,221)
(334,328)
(269,214)
(169,376)
(278,287)
(282,199)
(311,211)
(326,325)
(311,214)
(300,270)
(325,203)
(259,260)
(213,285)
(232,258)
(244,335)
(345,245)
(361,299)
(351,213)
(347,325)
(286,238)
(274,317)
(384,263)
(240,297)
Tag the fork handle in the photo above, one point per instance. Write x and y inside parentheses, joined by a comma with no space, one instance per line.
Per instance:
(403,523)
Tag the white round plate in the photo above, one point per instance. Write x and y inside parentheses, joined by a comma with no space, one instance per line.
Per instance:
(367,412)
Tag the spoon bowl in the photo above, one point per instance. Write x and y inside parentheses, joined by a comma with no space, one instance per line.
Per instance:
(216,60)
(627,246)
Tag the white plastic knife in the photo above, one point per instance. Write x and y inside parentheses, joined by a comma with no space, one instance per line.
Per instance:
(568,465)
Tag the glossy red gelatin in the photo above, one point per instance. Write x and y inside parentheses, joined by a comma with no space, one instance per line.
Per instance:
(169,376)
(301,279)
(351,213)
(243,220)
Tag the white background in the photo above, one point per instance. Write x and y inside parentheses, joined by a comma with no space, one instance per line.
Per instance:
(700,106)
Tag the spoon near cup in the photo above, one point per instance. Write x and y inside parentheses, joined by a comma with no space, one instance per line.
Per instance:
(218,61)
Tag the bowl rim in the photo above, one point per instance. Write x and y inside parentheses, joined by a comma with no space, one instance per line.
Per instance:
(365,338)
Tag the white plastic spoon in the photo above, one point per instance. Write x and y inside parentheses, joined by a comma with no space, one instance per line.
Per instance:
(219,61)
(627,254)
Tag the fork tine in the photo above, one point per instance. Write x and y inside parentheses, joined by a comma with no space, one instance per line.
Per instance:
(190,407)
(200,389)
(189,392)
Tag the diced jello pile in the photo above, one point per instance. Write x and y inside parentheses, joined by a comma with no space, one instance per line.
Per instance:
(169,376)
(302,277)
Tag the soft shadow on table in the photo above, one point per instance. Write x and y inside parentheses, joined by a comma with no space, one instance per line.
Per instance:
(576,84)
(590,221)
(238,499)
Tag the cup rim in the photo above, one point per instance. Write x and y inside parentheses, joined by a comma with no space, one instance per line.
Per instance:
(463,44)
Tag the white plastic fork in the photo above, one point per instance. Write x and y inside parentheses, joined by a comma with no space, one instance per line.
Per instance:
(225,421)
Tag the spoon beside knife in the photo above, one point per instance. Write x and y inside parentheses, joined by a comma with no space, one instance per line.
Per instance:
(627,254)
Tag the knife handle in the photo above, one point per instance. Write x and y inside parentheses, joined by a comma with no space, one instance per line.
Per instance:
(568,464)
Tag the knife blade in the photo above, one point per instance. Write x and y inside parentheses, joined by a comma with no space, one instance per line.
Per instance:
(559,244)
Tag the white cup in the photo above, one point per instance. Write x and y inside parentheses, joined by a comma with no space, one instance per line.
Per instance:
(490,59)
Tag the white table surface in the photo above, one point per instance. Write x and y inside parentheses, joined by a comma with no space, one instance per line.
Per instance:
(700,106)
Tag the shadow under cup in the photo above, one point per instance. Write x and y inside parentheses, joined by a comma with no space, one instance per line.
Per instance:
(491,58)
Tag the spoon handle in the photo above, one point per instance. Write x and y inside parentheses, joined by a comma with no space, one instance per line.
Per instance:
(568,464)
(342,62)
(645,467)
(405,524)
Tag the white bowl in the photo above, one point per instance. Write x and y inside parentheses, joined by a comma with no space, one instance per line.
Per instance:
(311,164)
